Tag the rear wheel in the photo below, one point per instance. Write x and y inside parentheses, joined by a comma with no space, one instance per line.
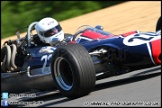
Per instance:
(73,71)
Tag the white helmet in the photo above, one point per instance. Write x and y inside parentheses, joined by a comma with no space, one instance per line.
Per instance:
(49,29)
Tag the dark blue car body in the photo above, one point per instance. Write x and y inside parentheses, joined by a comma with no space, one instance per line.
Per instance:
(35,72)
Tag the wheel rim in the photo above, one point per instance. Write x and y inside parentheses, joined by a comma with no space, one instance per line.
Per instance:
(63,76)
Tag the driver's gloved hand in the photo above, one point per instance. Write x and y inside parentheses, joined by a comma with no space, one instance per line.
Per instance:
(63,42)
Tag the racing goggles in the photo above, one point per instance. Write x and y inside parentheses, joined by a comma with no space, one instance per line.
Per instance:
(52,31)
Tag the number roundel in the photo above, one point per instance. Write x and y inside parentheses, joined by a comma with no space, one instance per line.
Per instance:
(46,58)
(140,38)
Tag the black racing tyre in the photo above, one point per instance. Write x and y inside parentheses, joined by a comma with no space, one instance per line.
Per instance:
(158,24)
(73,71)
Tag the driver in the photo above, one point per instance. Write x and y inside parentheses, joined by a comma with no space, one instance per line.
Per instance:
(49,32)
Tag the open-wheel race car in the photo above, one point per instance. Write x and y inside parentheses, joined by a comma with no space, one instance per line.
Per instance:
(74,65)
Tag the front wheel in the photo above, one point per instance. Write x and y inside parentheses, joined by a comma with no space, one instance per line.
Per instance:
(73,71)
(158,24)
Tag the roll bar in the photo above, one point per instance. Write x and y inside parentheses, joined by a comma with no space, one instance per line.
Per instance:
(30,28)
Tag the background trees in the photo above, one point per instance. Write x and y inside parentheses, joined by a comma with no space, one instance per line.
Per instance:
(19,14)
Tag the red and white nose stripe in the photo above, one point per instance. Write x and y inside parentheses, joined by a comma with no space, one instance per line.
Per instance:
(156,51)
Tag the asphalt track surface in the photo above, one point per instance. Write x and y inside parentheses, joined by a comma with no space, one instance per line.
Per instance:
(141,88)
(138,88)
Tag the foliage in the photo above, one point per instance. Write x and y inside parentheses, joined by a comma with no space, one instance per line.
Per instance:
(19,14)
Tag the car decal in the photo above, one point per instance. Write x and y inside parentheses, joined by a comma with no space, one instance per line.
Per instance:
(45,58)
(140,38)
(156,50)
(47,49)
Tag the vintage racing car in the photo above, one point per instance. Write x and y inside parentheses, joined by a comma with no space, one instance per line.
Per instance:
(74,65)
